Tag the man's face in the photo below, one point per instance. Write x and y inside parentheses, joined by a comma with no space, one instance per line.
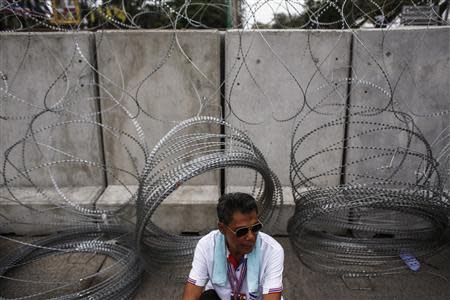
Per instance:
(240,245)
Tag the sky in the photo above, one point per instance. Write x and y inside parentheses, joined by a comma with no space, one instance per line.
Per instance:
(264,9)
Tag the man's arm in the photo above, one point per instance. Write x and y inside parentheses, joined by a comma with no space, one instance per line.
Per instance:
(276,296)
(273,277)
(193,292)
(198,276)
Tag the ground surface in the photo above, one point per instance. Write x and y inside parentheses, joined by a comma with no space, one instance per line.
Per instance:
(431,282)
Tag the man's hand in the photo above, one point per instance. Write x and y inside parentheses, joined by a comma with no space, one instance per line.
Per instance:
(193,292)
(276,296)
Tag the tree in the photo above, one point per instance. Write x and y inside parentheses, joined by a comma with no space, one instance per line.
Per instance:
(337,14)
(123,14)
(259,25)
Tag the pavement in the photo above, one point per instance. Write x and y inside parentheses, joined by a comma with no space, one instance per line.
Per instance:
(430,282)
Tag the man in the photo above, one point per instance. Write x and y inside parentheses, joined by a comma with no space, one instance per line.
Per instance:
(237,261)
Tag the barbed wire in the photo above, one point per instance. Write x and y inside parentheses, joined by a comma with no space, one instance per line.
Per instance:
(369,181)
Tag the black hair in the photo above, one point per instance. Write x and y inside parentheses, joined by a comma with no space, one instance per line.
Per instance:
(233,202)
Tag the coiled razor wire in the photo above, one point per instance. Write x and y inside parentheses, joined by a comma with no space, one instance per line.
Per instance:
(189,150)
(111,241)
(362,226)
(357,228)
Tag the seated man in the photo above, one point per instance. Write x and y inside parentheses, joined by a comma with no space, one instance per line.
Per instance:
(236,261)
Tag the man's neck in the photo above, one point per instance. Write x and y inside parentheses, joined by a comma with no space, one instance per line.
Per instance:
(236,256)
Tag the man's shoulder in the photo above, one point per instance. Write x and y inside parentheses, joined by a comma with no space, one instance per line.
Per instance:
(269,243)
(207,241)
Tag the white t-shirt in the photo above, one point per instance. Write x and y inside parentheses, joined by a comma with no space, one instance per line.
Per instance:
(270,267)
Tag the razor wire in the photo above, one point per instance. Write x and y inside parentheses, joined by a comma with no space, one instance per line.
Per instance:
(357,227)
(191,148)
(114,242)
(361,226)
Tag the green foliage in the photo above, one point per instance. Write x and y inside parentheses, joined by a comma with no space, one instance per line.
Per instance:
(165,14)
(259,25)
(115,13)
(337,14)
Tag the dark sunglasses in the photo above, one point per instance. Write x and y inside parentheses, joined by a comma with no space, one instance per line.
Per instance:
(243,231)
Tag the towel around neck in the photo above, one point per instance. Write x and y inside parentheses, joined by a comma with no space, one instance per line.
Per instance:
(219,276)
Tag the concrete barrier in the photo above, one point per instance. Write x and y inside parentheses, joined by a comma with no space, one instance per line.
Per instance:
(405,70)
(270,75)
(44,74)
(190,209)
(37,211)
(161,77)
(149,80)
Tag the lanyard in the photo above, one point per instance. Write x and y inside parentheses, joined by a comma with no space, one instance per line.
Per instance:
(236,283)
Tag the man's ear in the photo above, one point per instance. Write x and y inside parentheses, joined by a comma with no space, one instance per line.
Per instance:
(221,227)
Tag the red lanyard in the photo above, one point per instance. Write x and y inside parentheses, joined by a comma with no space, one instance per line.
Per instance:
(236,283)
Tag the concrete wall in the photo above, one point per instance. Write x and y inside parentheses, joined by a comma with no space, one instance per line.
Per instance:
(270,77)
(172,76)
(44,74)
(409,67)
(156,78)
(27,210)
(165,77)
(44,71)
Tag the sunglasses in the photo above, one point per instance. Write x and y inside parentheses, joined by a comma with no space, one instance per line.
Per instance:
(243,231)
